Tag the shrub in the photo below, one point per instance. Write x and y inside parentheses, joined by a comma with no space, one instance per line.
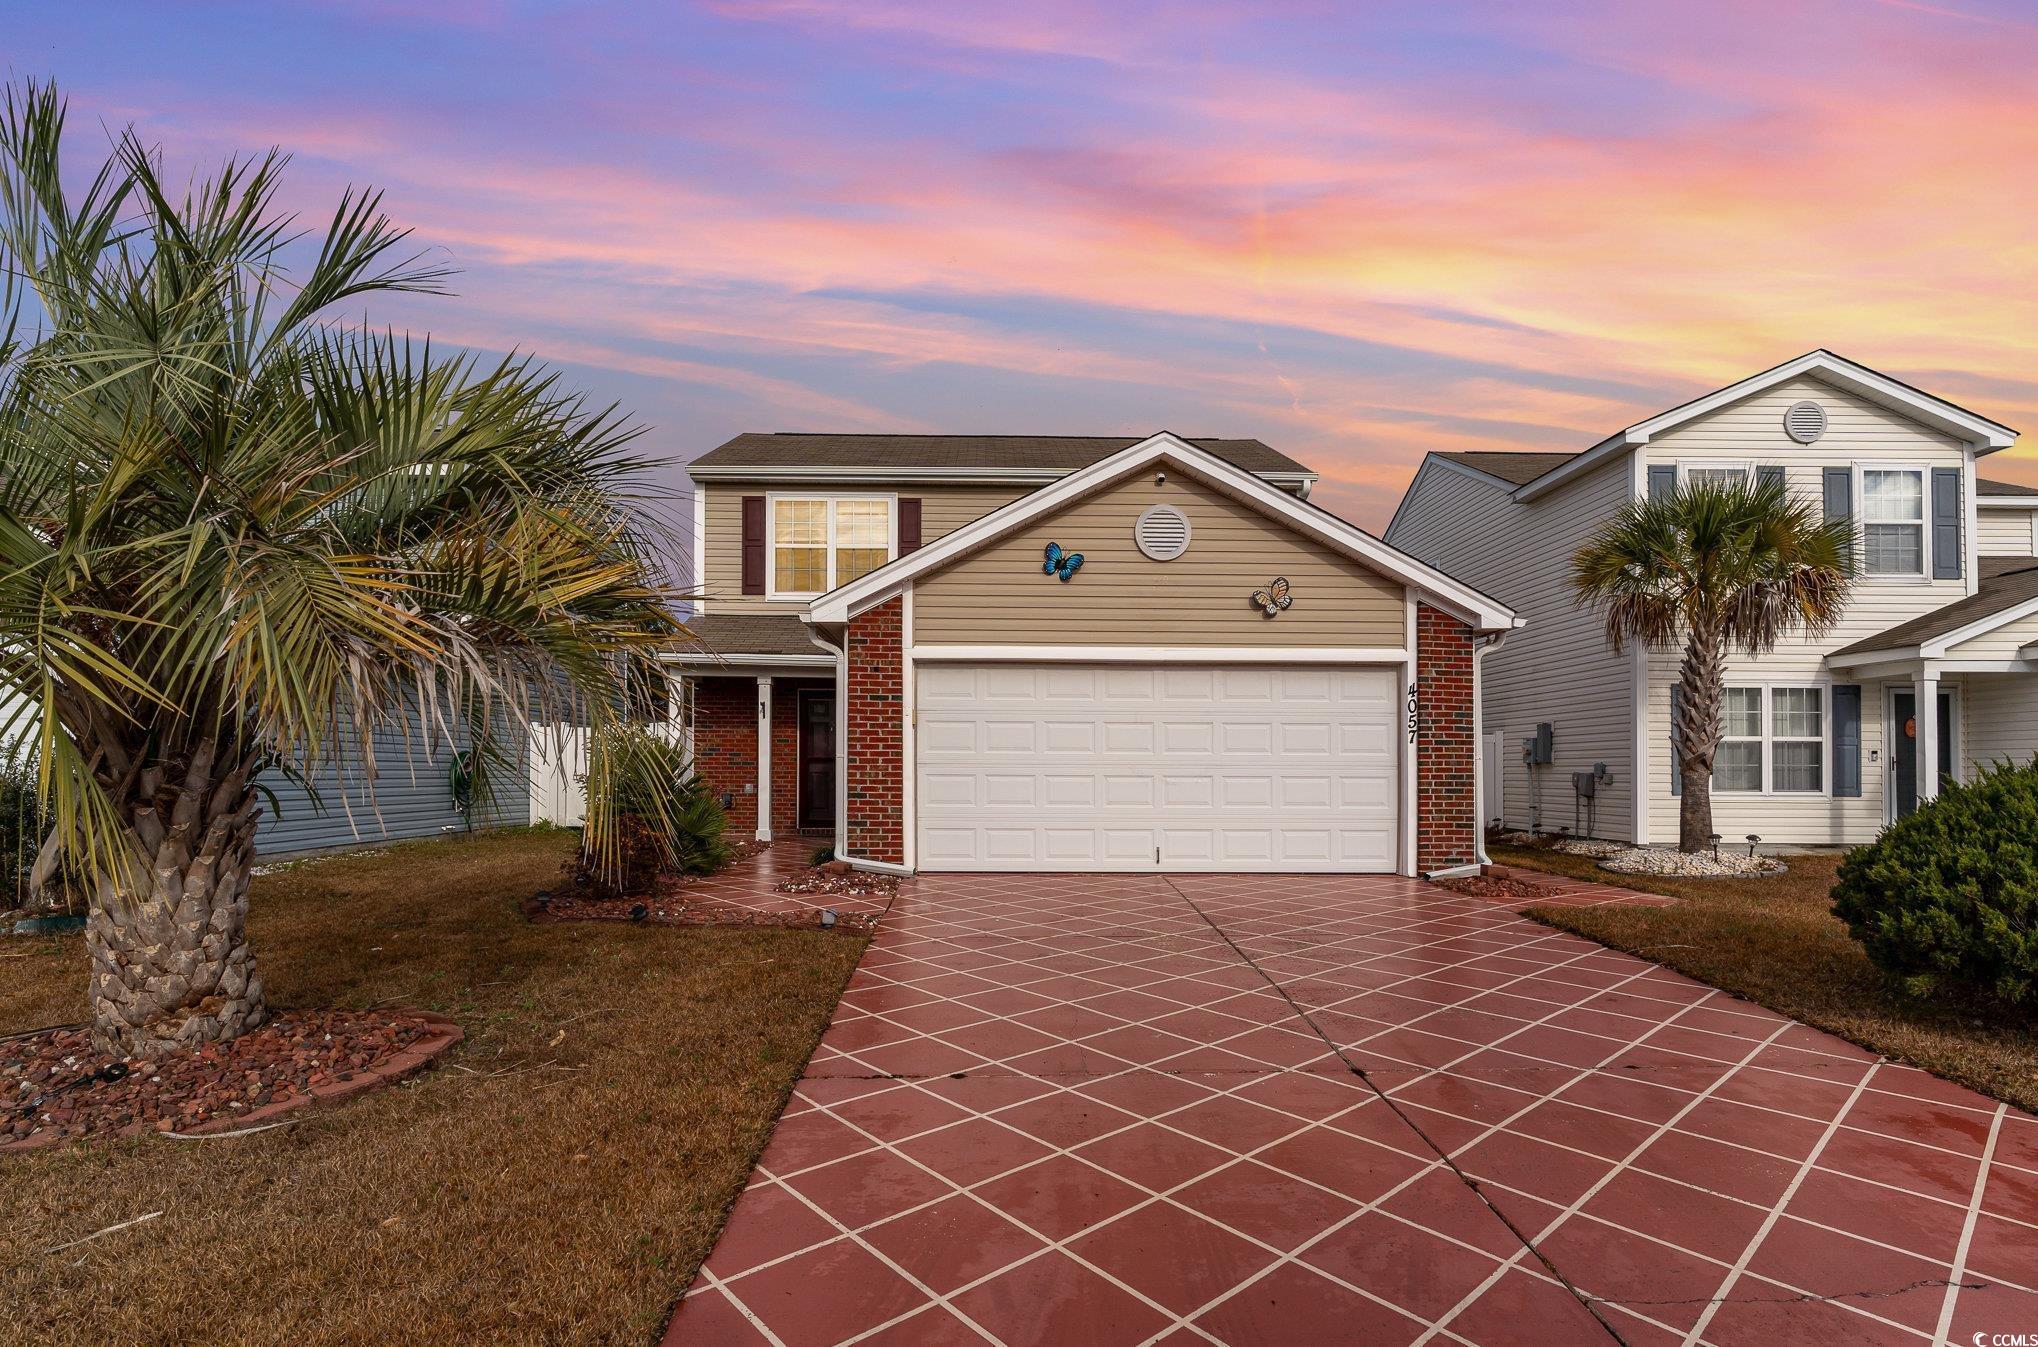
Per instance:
(23,825)
(1948,898)
(661,818)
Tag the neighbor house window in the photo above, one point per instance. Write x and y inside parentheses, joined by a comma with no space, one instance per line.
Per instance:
(1773,740)
(820,543)
(1797,739)
(1716,474)
(1893,521)
(1738,763)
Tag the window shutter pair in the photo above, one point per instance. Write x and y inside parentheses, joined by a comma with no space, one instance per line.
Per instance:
(753,537)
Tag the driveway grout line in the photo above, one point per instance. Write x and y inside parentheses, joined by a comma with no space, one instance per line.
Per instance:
(1981,1180)
(1443,1155)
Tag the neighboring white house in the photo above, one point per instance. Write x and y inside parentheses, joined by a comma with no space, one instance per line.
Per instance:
(1821,741)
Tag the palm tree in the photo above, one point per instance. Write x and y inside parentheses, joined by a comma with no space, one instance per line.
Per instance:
(1722,568)
(238,537)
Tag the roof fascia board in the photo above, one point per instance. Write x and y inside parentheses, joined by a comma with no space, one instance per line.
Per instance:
(1981,626)
(2006,502)
(900,473)
(1985,435)
(1470,606)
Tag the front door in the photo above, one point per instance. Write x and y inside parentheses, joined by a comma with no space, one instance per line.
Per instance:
(817,759)
(1903,756)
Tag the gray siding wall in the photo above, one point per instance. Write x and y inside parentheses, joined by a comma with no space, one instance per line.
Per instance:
(412,797)
(1557,668)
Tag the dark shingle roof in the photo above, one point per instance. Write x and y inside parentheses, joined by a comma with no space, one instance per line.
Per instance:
(1049,453)
(2005,583)
(1510,465)
(733,635)
(1986,487)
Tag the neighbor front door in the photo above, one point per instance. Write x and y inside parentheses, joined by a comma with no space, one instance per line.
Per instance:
(817,759)
(1903,756)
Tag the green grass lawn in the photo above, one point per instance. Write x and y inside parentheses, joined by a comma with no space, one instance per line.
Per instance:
(627,1078)
(1776,941)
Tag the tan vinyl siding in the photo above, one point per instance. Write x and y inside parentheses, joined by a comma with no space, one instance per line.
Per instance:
(2003,642)
(1000,596)
(943,509)
(1859,432)
(1557,668)
(2007,705)
(2006,533)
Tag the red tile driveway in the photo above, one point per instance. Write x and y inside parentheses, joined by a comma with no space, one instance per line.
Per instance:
(1115,1110)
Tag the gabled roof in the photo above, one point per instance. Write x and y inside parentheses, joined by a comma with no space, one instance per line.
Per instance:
(2007,586)
(1517,467)
(1856,378)
(1985,486)
(1012,457)
(1469,605)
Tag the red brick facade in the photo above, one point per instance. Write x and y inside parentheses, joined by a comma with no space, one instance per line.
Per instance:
(874,739)
(1446,748)
(725,747)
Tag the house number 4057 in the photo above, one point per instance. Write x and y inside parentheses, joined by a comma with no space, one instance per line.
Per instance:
(1413,717)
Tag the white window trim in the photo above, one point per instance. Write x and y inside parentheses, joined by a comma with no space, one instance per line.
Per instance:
(1769,739)
(1685,467)
(1862,521)
(771,500)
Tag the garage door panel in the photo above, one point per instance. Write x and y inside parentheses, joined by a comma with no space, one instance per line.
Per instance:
(1095,767)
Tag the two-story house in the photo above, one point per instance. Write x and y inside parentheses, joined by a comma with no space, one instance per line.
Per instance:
(953,652)
(1823,741)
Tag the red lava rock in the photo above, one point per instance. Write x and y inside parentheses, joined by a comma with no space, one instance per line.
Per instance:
(64,1096)
(1492,886)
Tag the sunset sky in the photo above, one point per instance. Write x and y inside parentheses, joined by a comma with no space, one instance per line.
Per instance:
(1358,232)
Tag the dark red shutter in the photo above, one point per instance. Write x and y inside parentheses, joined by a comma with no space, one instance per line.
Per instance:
(753,544)
(909,524)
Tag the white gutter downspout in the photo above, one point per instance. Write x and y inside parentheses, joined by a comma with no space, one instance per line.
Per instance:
(1480,649)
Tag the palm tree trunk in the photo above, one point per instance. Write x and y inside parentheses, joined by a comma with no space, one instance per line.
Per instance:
(171,964)
(1701,683)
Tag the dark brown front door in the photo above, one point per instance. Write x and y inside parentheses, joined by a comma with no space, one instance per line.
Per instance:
(817,759)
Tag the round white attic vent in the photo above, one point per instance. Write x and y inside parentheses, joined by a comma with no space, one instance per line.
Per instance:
(1162,532)
(1804,422)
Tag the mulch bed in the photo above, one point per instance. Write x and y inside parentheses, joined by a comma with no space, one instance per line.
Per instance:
(54,1087)
(1493,886)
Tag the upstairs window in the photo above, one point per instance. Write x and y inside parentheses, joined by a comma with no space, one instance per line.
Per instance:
(818,543)
(1716,474)
(1893,521)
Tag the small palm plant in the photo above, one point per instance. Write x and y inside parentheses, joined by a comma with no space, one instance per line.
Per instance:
(1720,568)
(238,538)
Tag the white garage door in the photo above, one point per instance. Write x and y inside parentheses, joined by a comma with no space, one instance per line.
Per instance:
(1115,767)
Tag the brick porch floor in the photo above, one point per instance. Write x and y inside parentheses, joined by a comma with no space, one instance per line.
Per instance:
(1311,1110)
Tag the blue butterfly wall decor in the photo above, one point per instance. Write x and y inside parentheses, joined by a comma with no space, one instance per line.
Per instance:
(1063,564)
(1274,597)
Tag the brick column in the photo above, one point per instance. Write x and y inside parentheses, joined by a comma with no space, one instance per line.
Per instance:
(725,747)
(1446,750)
(874,739)
(785,759)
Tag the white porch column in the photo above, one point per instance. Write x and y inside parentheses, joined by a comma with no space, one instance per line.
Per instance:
(1926,689)
(764,758)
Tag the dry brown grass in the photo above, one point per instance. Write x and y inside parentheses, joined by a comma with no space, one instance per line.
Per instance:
(564,1201)
(1776,942)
